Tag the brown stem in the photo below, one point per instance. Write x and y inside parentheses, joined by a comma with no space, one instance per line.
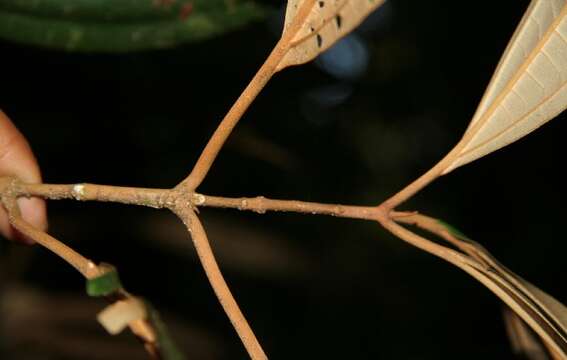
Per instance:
(218,283)
(419,183)
(450,255)
(217,140)
(141,328)
(434,226)
(261,204)
(82,264)
(469,247)
(156,198)
(439,169)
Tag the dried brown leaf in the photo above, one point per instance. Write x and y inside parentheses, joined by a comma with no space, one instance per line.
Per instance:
(546,316)
(522,339)
(312,26)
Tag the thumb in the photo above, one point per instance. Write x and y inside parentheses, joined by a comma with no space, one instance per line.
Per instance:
(17,159)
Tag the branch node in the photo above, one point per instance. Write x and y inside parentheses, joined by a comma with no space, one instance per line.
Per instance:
(261,209)
(78,191)
(198,199)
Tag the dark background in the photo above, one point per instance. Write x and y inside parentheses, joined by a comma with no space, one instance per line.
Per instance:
(311,287)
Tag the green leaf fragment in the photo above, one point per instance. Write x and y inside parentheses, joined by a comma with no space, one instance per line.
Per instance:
(105,284)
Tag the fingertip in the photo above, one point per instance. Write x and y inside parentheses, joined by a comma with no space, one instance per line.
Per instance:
(5,228)
(34,212)
(17,159)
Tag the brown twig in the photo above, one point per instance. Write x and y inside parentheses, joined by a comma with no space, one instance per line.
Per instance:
(421,182)
(448,254)
(434,226)
(218,283)
(174,198)
(261,205)
(83,265)
(469,247)
(141,328)
(254,87)
(217,140)
(182,204)
(156,198)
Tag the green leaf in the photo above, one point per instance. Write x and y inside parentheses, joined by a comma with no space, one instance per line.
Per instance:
(105,284)
(97,10)
(124,29)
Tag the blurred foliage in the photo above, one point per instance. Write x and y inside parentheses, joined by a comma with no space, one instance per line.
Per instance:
(121,26)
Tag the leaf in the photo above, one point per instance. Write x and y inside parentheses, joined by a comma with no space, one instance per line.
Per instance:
(313,26)
(523,340)
(131,26)
(557,310)
(106,283)
(546,316)
(97,10)
(512,290)
(528,87)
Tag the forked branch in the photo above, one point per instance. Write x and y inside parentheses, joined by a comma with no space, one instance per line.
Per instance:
(142,328)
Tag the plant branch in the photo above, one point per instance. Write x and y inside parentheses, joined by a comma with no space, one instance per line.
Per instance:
(141,328)
(418,184)
(468,246)
(83,265)
(454,257)
(11,189)
(432,174)
(217,140)
(435,226)
(156,198)
(261,204)
(226,299)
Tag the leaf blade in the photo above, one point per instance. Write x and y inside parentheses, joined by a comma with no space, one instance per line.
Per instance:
(311,27)
(544,314)
(79,33)
(529,86)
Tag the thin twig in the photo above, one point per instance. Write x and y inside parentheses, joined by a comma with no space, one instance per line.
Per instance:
(218,283)
(434,226)
(261,205)
(141,328)
(217,140)
(166,198)
(470,247)
(156,198)
(86,267)
(448,254)
(418,184)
